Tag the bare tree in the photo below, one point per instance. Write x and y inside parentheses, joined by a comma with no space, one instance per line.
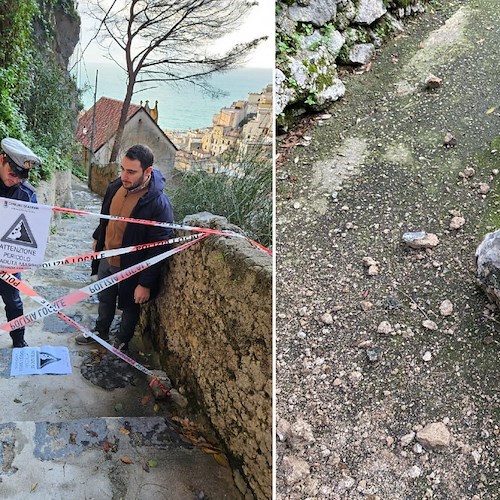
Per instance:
(170,41)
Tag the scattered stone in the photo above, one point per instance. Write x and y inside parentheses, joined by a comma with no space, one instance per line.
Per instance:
(468,172)
(476,455)
(414,472)
(432,82)
(374,354)
(373,270)
(337,382)
(427,356)
(282,429)
(295,469)
(420,240)
(483,188)
(434,436)
(446,308)
(369,11)
(407,438)
(369,261)
(366,305)
(389,441)
(327,319)
(457,222)
(494,172)
(302,335)
(429,324)
(417,448)
(347,483)
(449,141)
(488,265)
(355,376)
(296,205)
(300,435)
(384,328)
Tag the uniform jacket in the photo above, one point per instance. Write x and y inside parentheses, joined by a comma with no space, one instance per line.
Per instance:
(154,205)
(23,191)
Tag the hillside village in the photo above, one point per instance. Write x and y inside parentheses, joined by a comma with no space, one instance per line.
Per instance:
(244,127)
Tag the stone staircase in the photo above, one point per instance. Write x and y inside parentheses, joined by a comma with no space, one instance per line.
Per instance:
(67,436)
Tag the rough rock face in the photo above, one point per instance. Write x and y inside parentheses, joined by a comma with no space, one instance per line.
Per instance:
(212,325)
(488,266)
(308,48)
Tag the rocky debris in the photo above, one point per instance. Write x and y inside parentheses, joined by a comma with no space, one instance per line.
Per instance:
(446,308)
(429,325)
(414,472)
(384,328)
(488,265)
(407,439)
(467,172)
(295,469)
(432,82)
(283,429)
(434,436)
(427,356)
(420,240)
(366,305)
(483,188)
(457,222)
(373,354)
(371,265)
(449,140)
(300,435)
(327,319)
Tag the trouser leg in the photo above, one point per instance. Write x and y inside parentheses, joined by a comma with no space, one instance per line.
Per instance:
(130,317)
(107,300)
(13,309)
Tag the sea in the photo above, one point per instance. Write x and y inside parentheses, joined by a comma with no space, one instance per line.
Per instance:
(180,107)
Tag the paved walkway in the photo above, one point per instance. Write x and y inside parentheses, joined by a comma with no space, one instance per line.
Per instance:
(64,436)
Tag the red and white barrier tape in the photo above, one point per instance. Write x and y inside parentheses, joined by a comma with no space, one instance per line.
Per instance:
(78,295)
(162,224)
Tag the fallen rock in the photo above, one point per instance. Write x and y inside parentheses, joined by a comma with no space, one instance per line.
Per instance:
(446,308)
(296,469)
(432,82)
(366,305)
(449,141)
(407,438)
(429,324)
(300,434)
(457,222)
(488,266)
(434,436)
(420,240)
(427,356)
(384,328)
(327,319)
(483,188)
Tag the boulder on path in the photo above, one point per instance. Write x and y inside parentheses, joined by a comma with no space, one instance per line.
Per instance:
(488,266)
(420,240)
(434,436)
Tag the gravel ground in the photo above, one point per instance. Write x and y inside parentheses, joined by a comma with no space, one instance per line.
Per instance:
(376,341)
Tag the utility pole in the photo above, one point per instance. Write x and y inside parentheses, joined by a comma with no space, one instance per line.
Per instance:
(92,133)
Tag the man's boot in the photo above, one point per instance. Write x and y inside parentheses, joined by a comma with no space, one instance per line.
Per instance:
(18,338)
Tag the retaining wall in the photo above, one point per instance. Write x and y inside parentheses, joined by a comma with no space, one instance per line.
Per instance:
(212,325)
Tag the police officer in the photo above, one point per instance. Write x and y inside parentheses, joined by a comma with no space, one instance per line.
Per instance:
(16,161)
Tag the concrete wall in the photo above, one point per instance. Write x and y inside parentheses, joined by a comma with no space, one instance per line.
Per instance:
(212,325)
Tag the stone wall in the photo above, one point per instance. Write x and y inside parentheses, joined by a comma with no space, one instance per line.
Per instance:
(212,325)
(314,36)
(101,176)
(56,191)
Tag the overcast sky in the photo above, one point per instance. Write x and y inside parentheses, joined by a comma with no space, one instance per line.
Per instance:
(259,22)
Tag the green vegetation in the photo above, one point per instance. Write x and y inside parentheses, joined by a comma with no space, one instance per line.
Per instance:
(37,98)
(244,197)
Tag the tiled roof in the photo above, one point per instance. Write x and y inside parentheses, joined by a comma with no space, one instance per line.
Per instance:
(107,117)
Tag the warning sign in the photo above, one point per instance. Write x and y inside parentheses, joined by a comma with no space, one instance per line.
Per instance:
(40,361)
(24,230)
(20,233)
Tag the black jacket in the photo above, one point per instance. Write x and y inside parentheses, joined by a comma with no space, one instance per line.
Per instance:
(154,205)
(23,191)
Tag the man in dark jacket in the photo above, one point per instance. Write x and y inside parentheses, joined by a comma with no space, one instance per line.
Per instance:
(138,193)
(16,161)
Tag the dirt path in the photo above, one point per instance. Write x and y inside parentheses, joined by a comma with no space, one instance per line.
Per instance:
(352,402)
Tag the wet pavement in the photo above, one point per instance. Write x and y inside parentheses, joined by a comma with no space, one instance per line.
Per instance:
(97,432)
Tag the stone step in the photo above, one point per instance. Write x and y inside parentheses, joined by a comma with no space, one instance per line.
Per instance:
(106,458)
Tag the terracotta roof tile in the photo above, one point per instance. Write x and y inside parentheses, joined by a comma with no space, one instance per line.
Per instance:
(106,121)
